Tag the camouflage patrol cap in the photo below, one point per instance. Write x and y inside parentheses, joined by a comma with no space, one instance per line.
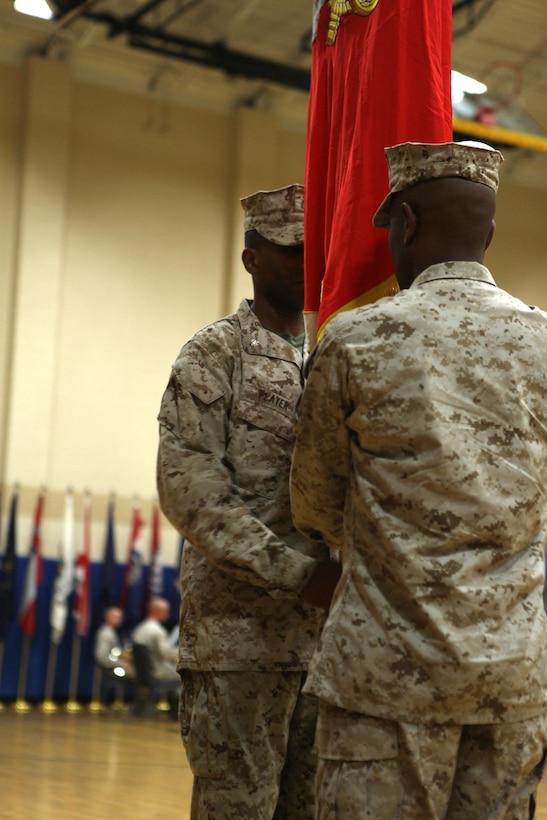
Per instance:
(414,162)
(276,215)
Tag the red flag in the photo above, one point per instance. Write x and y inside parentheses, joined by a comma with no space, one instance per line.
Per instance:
(132,592)
(383,79)
(33,574)
(83,574)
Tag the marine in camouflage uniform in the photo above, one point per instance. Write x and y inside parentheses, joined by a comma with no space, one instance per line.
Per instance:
(246,634)
(421,457)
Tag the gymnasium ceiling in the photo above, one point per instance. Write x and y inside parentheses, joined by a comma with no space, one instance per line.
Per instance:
(222,54)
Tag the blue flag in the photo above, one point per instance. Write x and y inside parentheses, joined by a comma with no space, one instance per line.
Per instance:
(7,573)
(132,593)
(107,590)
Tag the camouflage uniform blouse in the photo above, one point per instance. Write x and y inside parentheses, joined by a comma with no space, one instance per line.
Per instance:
(421,456)
(226,438)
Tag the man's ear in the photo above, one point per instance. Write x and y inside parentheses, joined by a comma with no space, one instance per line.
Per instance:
(249,259)
(410,223)
(490,236)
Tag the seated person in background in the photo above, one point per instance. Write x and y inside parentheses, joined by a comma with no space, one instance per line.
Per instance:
(153,634)
(108,652)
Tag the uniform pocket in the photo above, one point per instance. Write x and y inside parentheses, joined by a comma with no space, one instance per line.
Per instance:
(203,725)
(349,736)
(267,418)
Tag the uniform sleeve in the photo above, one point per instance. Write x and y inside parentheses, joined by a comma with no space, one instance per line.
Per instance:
(194,482)
(321,458)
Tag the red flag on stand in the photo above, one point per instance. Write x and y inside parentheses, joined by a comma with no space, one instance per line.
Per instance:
(380,75)
(132,592)
(82,596)
(33,573)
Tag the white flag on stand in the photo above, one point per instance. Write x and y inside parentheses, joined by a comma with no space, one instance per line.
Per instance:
(64,580)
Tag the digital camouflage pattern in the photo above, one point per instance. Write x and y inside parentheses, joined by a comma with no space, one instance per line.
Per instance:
(276,215)
(226,437)
(374,768)
(412,162)
(246,762)
(421,457)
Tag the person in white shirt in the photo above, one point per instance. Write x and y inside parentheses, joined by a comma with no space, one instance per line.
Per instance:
(154,635)
(109,653)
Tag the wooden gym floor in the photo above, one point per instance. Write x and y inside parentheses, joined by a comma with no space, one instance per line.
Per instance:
(98,766)
(94,766)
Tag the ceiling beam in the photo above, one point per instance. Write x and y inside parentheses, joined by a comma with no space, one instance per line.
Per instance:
(211,55)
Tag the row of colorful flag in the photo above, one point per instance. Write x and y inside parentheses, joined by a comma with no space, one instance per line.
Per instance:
(72,586)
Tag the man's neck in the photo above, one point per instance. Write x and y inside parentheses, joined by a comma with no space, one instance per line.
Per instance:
(290,323)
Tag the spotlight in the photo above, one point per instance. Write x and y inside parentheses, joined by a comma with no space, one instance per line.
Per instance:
(36,8)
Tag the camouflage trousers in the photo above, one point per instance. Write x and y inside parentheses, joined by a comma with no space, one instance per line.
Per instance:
(374,768)
(249,742)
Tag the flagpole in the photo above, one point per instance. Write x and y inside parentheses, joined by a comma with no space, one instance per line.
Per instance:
(62,589)
(21,705)
(96,705)
(48,706)
(2,707)
(27,613)
(73,705)
(7,578)
(82,599)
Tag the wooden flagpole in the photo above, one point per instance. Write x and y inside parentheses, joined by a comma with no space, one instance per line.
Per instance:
(96,705)
(73,705)
(48,705)
(1,667)
(21,705)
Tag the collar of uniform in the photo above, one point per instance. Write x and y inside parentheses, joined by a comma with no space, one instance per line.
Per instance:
(455,270)
(259,341)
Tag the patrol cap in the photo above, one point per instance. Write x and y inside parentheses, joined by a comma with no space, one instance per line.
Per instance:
(413,162)
(276,215)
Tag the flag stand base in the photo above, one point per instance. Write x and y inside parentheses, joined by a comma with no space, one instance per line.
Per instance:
(96,706)
(49,707)
(73,706)
(22,706)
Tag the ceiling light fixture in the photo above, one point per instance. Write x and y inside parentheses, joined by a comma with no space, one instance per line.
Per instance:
(36,8)
(461,84)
